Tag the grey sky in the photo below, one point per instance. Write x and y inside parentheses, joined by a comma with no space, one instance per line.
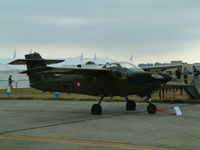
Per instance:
(151,30)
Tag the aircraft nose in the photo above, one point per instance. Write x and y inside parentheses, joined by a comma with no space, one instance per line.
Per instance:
(166,77)
(162,77)
(157,76)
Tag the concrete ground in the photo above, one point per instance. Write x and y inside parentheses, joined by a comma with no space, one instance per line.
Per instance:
(63,125)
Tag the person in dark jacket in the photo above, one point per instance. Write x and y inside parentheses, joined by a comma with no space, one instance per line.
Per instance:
(10,81)
(185,75)
(178,74)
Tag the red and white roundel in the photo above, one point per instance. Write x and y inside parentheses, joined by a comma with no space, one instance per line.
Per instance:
(78,84)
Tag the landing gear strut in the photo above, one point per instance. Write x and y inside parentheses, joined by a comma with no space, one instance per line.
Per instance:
(96,108)
(151,108)
(130,105)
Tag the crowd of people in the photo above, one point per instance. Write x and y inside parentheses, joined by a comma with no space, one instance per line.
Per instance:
(185,73)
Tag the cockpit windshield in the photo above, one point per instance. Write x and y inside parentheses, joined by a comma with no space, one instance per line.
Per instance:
(122,65)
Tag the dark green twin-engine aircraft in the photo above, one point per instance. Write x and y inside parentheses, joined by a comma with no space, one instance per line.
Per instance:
(111,79)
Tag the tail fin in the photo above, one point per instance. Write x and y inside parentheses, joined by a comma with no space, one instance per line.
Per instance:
(35,62)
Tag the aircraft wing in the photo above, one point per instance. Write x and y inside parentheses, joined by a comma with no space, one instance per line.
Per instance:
(160,67)
(83,71)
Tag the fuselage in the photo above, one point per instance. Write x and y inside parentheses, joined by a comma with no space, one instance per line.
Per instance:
(121,81)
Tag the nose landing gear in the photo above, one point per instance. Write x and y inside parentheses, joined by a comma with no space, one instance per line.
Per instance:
(151,108)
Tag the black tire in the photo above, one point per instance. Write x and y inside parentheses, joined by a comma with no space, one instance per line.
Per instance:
(130,105)
(151,108)
(96,109)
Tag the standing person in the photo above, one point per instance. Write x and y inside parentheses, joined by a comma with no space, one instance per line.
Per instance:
(178,74)
(185,75)
(195,74)
(10,81)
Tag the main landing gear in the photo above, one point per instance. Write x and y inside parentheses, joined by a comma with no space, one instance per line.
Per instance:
(96,108)
(130,105)
(151,108)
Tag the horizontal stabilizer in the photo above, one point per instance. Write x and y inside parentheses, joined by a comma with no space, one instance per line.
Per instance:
(46,61)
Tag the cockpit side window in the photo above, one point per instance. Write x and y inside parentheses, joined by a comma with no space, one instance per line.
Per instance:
(130,66)
(123,66)
(107,66)
(112,65)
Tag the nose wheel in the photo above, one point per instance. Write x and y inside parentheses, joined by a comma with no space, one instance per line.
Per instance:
(151,108)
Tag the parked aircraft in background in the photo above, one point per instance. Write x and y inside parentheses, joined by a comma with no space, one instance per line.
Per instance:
(110,79)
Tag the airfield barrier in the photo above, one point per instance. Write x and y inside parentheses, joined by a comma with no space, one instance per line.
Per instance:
(15,84)
(179,91)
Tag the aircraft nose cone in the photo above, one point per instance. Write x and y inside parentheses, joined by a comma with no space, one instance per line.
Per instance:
(162,77)
(166,77)
(157,76)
